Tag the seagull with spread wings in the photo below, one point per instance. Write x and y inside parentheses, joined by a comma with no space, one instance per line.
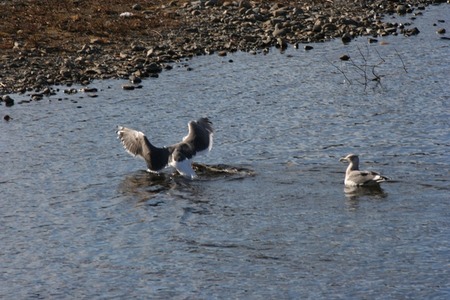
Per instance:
(179,156)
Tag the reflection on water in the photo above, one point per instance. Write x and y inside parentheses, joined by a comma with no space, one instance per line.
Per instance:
(144,185)
(356,193)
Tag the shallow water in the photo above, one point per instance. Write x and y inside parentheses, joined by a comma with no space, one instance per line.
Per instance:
(80,218)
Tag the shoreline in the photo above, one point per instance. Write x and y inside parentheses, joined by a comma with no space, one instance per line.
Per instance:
(130,41)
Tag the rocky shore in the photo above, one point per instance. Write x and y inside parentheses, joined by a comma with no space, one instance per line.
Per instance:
(74,42)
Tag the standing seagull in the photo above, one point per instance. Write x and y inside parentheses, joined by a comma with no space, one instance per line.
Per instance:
(198,140)
(355,177)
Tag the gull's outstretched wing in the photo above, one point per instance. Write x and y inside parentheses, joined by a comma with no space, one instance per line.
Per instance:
(135,142)
(200,136)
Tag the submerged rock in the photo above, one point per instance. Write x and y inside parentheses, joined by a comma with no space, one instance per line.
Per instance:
(8,100)
(411,31)
(346,38)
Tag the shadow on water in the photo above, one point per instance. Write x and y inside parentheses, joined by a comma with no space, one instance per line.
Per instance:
(152,188)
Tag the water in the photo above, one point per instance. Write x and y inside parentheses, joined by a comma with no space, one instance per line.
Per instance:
(81,219)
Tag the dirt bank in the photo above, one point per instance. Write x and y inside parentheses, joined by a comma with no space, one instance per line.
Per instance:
(50,42)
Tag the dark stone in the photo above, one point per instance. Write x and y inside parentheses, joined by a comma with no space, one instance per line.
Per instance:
(36,97)
(89,90)
(8,100)
(317,28)
(135,79)
(70,91)
(412,31)
(346,38)
(282,44)
(401,9)
(153,68)
(344,57)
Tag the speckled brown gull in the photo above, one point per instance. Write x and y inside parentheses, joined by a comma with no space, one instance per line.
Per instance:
(179,156)
(355,177)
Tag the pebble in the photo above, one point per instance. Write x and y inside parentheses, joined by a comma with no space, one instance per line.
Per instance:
(401,9)
(135,79)
(89,90)
(37,97)
(211,26)
(137,6)
(126,14)
(411,31)
(70,91)
(8,100)
(346,38)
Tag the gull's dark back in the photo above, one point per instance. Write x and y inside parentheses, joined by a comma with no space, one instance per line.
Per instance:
(157,159)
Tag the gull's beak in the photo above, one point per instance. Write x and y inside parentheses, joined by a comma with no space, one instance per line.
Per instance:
(343,159)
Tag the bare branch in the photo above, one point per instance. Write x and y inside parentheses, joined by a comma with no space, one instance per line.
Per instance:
(342,72)
(399,56)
